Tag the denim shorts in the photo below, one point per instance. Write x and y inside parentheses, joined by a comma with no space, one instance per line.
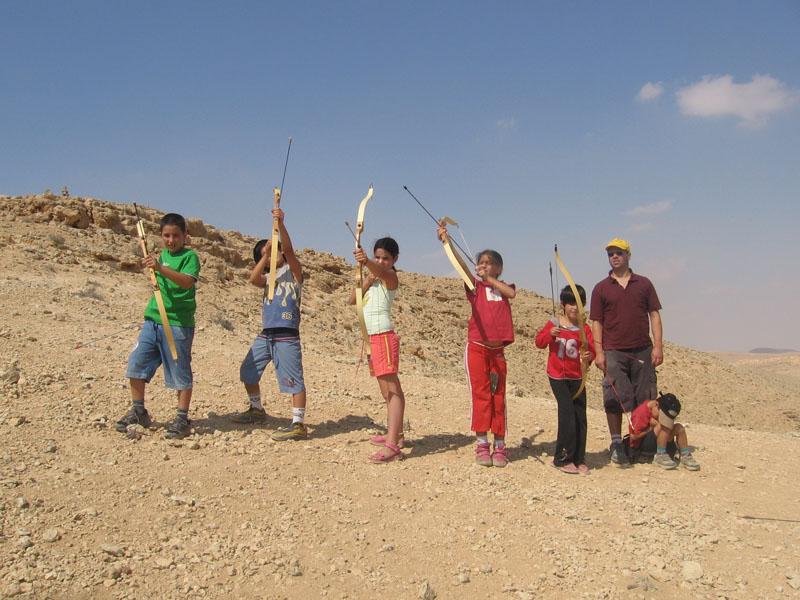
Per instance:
(151,351)
(287,356)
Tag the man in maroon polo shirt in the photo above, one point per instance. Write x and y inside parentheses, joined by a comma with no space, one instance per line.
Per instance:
(624,310)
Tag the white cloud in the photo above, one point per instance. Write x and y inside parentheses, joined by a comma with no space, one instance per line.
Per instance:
(650,91)
(654,208)
(509,123)
(751,102)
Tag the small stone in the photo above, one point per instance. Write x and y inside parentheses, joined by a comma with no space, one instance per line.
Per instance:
(109,583)
(691,570)
(24,542)
(194,445)
(51,535)
(164,562)
(17,421)
(387,548)
(136,431)
(112,549)
(740,466)
(463,578)
(184,500)
(794,583)
(22,502)
(51,447)
(486,569)
(13,590)
(426,591)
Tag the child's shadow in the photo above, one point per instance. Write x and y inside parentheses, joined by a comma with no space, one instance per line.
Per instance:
(343,425)
(437,443)
(530,448)
(224,424)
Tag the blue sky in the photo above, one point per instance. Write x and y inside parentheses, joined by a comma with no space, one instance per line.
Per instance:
(675,125)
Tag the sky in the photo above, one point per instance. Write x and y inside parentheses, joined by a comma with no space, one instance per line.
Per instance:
(674,125)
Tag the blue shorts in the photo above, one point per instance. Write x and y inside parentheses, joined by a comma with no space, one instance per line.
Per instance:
(287,356)
(151,351)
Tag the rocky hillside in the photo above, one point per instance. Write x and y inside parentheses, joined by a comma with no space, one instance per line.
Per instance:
(91,247)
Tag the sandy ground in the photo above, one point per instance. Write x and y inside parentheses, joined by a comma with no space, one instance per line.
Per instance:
(89,513)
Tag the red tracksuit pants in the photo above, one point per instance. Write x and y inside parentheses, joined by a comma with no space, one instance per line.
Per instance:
(488,409)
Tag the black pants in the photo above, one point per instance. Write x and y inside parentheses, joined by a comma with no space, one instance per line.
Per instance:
(571,440)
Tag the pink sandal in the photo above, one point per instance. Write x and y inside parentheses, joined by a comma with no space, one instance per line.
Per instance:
(569,469)
(379,457)
(380,440)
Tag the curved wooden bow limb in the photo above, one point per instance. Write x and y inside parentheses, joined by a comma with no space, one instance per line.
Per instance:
(273,257)
(455,258)
(162,311)
(362,209)
(584,342)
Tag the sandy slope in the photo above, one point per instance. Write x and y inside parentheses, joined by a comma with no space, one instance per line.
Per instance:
(87,512)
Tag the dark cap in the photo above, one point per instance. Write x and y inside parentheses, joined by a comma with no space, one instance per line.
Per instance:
(669,407)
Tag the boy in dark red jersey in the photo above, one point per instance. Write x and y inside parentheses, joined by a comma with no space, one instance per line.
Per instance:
(564,370)
(490,330)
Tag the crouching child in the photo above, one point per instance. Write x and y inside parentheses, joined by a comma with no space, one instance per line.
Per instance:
(653,424)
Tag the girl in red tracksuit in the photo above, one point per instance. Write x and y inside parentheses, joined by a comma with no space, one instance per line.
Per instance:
(490,330)
(564,370)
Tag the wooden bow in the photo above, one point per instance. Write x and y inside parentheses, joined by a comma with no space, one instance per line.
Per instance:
(162,311)
(273,257)
(362,209)
(584,342)
(454,257)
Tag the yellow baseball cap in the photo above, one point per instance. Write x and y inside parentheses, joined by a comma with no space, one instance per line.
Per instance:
(619,243)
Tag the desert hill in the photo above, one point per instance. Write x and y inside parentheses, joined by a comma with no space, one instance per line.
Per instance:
(87,512)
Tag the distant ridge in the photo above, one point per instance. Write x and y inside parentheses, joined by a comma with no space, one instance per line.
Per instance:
(771,351)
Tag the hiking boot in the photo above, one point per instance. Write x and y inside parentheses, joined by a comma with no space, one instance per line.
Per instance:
(482,455)
(664,461)
(688,462)
(132,417)
(499,457)
(178,429)
(295,431)
(250,416)
(618,456)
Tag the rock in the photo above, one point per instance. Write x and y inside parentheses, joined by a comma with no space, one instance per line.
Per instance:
(136,431)
(463,578)
(426,591)
(691,570)
(112,549)
(21,502)
(51,535)
(24,542)
(185,500)
(794,582)
(51,447)
(86,512)
(17,421)
(164,562)
(10,374)
(13,590)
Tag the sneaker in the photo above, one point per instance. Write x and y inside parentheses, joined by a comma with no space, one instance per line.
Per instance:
(179,428)
(132,417)
(688,462)
(295,431)
(618,456)
(664,461)
(482,455)
(250,416)
(499,457)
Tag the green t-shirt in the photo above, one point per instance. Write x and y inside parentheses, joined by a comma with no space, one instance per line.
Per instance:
(179,302)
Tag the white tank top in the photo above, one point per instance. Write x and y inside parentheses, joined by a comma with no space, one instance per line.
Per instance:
(377,308)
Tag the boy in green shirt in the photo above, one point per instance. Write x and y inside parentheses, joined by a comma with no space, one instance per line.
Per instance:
(176,269)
